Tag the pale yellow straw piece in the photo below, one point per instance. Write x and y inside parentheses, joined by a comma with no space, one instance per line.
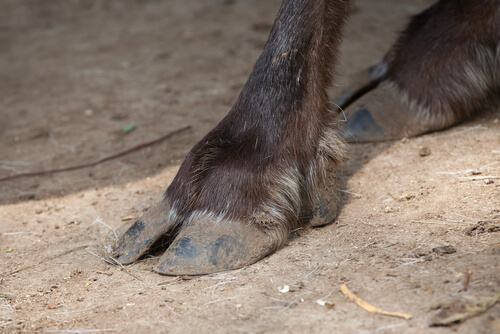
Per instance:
(369,307)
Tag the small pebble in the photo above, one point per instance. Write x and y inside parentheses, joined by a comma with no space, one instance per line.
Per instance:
(488,181)
(424,151)
(449,249)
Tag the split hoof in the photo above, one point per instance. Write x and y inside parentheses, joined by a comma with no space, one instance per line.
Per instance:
(205,245)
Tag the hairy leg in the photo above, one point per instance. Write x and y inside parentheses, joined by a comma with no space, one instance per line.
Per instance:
(268,163)
(441,70)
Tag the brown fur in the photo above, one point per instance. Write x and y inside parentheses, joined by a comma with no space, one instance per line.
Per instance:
(447,60)
(265,160)
(265,157)
(274,157)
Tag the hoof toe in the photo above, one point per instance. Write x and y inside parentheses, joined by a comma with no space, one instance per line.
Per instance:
(324,211)
(382,115)
(143,234)
(362,127)
(326,201)
(208,246)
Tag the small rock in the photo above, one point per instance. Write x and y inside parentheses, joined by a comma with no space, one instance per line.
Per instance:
(328,305)
(296,287)
(449,249)
(424,151)
(407,197)
(284,289)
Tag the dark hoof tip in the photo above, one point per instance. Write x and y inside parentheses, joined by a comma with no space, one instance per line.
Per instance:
(144,233)
(206,247)
(324,211)
(185,257)
(362,127)
(129,246)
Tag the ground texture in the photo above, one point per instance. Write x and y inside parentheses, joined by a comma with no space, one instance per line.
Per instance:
(74,73)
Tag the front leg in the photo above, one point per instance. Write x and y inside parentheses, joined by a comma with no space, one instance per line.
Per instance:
(246,185)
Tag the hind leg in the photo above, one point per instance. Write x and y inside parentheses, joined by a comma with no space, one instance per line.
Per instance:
(443,67)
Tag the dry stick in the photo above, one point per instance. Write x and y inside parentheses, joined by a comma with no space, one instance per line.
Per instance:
(369,307)
(123,268)
(45,260)
(470,311)
(477,178)
(443,223)
(114,262)
(468,274)
(94,163)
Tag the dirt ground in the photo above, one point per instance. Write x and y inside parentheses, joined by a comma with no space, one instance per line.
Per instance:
(74,73)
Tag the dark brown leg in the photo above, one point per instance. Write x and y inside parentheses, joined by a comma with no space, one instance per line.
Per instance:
(244,186)
(442,68)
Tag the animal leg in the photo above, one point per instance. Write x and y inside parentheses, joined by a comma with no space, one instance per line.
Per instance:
(442,69)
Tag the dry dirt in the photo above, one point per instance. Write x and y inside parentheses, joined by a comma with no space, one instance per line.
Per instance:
(73,73)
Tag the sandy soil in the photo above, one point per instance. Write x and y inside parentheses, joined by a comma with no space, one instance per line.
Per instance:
(73,73)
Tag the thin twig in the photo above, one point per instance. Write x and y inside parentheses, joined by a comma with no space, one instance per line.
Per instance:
(44,260)
(114,262)
(448,318)
(6,323)
(476,178)
(443,223)
(351,193)
(14,163)
(311,272)
(123,268)
(221,300)
(369,307)
(99,161)
(76,311)
(77,330)
(99,220)
(470,170)
(468,274)
(100,257)
(166,305)
(16,233)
